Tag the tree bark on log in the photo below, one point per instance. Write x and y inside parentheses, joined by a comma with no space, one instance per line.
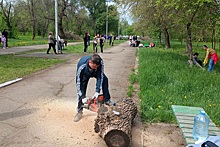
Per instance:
(114,123)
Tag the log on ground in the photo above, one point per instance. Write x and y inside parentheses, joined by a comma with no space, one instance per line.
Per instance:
(114,123)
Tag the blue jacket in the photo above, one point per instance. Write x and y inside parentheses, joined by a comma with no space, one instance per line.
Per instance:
(84,72)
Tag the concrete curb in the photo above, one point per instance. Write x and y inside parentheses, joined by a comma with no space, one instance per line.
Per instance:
(10,82)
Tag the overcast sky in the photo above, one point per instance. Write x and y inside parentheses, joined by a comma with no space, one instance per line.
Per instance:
(124,13)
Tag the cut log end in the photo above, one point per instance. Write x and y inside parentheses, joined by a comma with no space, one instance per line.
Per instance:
(117,138)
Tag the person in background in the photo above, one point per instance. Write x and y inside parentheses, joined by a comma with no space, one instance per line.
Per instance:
(85,39)
(88,39)
(112,42)
(95,43)
(152,44)
(101,41)
(196,60)
(3,40)
(51,42)
(5,33)
(212,56)
(110,39)
(90,66)
(60,44)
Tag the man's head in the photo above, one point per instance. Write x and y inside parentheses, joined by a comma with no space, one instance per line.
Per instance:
(196,54)
(94,61)
(205,47)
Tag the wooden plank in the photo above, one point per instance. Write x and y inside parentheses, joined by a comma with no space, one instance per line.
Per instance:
(189,141)
(186,121)
(185,118)
(186,109)
(185,114)
(185,125)
(189,134)
(211,130)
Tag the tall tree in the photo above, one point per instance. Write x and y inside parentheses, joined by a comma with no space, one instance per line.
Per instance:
(7,10)
(97,12)
(31,7)
(22,17)
(152,14)
(188,11)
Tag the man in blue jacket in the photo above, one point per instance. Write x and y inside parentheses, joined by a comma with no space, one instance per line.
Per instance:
(90,66)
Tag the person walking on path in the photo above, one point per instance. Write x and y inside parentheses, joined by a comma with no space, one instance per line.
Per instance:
(101,41)
(88,39)
(85,39)
(95,43)
(212,56)
(90,66)
(51,42)
(111,42)
(5,33)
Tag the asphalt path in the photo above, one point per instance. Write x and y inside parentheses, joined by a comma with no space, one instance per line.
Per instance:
(38,111)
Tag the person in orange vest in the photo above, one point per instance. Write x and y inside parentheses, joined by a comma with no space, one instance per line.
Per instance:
(212,56)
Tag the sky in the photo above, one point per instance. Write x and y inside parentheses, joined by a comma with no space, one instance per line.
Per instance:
(124,13)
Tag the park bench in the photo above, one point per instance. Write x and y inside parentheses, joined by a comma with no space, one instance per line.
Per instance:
(185,118)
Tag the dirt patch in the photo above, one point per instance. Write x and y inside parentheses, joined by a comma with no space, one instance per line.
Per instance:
(162,135)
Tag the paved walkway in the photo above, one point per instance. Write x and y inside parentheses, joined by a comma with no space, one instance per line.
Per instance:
(38,111)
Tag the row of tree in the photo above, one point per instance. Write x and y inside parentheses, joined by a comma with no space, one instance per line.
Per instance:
(37,17)
(187,20)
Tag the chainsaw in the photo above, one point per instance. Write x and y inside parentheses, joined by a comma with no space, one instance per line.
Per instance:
(95,104)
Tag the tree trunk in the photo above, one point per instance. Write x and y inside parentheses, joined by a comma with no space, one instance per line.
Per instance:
(213,35)
(7,17)
(167,38)
(188,41)
(44,29)
(188,33)
(160,37)
(114,123)
(60,26)
(62,14)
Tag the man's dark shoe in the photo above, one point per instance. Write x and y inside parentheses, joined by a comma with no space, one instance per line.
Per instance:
(78,116)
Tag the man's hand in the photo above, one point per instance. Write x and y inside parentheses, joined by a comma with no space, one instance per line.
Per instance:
(96,95)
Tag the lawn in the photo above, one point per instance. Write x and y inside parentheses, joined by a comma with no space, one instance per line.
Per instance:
(165,79)
(13,67)
(26,40)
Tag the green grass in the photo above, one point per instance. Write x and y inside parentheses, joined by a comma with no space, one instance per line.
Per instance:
(27,40)
(133,78)
(14,67)
(166,79)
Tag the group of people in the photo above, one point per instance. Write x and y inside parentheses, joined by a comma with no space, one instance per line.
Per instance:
(133,41)
(52,43)
(98,39)
(211,58)
(4,38)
